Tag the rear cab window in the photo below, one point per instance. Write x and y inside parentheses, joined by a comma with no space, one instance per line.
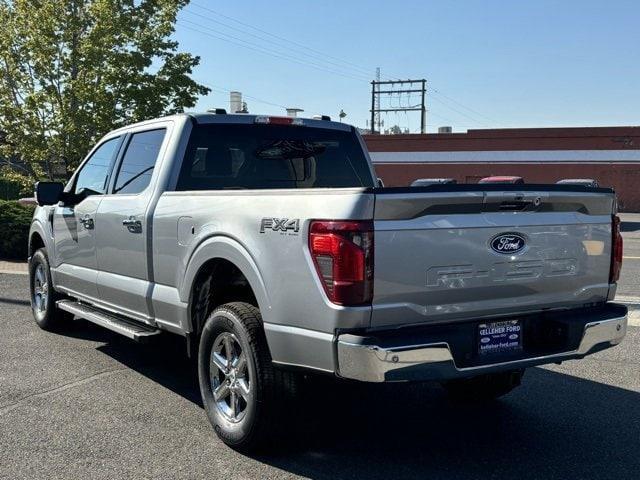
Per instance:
(249,156)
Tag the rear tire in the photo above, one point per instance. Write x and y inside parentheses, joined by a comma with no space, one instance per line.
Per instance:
(246,399)
(483,387)
(43,296)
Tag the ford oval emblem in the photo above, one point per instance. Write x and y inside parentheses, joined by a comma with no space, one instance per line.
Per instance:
(507,243)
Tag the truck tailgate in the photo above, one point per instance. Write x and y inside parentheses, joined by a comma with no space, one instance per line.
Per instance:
(472,251)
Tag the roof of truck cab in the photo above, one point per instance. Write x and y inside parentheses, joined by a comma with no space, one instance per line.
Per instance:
(149,122)
(233,118)
(247,119)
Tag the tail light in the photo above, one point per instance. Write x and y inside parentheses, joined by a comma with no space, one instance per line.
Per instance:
(616,250)
(342,253)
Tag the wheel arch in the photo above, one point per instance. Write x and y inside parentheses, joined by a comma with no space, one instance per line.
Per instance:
(224,256)
(37,238)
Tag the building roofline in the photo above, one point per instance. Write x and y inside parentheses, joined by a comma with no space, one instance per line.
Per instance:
(565,138)
(523,132)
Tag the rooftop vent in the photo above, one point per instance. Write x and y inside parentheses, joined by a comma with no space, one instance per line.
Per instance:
(235,102)
(293,111)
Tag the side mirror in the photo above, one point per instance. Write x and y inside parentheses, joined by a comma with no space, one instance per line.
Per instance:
(48,193)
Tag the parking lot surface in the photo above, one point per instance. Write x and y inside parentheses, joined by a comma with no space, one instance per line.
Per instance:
(629,285)
(86,403)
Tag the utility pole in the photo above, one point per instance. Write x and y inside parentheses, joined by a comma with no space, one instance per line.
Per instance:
(378,117)
(423,113)
(375,104)
(392,90)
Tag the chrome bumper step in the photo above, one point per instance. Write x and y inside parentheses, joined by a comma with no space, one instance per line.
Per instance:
(116,323)
(359,359)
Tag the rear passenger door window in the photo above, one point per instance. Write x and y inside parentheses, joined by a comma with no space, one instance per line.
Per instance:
(138,162)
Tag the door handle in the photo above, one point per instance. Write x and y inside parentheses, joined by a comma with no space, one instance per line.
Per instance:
(87,222)
(133,225)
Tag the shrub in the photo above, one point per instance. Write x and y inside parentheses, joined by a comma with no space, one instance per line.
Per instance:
(9,190)
(15,220)
(14,185)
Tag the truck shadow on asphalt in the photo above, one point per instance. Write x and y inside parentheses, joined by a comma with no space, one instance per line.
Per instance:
(554,426)
(15,301)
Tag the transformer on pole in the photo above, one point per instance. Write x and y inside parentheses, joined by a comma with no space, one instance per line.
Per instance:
(376,92)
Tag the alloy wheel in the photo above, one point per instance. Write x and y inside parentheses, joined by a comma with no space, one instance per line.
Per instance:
(230,380)
(40,290)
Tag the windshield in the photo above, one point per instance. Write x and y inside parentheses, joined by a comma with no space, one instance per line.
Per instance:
(272,156)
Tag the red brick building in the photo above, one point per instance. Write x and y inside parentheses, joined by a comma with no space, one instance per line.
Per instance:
(611,155)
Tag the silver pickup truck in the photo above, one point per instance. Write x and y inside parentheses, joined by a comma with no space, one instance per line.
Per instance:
(268,245)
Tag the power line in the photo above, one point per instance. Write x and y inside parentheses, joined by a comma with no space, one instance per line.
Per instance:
(354,71)
(414,86)
(239,22)
(257,99)
(257,48)
(453,122)
(221,89)
(438,92)
(252,46)
(459,112)
(444,104)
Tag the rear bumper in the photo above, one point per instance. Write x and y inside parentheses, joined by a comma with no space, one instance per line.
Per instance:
(376,359)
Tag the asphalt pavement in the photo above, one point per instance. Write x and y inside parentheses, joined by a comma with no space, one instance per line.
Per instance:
(87,403)
(629,285)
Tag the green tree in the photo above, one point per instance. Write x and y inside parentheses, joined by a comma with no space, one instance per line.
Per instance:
(72,70)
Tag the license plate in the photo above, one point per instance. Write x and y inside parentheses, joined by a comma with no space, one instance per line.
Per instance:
(499,337)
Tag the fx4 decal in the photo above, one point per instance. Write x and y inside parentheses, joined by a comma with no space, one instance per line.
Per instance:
(280,225)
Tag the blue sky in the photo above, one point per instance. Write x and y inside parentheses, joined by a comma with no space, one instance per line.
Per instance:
(487,63)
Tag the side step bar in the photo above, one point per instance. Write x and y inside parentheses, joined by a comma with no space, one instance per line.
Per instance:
(129,328)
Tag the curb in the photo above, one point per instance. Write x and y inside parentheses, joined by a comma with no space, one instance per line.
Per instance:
(631,301)
(14,267)
(14,272)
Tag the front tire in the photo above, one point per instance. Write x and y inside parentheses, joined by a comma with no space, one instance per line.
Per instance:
(244,396)
(483,387)
(43,296)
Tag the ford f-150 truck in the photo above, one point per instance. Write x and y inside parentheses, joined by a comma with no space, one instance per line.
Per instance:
(268,244)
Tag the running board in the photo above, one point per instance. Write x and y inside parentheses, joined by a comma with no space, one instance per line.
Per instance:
(116,323)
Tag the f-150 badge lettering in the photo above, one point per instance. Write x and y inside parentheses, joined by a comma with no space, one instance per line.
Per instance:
(471,276)
(280,225)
